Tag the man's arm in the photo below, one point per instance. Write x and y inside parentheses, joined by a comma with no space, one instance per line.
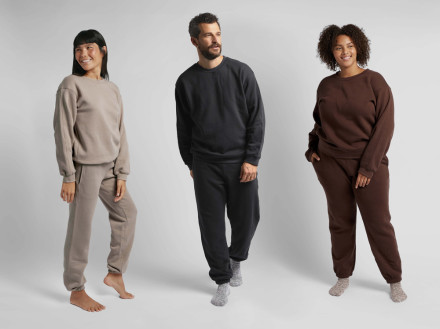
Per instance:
(256,122)
(184,125)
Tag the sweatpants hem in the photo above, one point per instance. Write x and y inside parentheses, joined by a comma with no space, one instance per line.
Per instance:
(394,281)
(237,259)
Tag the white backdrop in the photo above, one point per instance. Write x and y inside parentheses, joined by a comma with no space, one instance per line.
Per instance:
(149,48)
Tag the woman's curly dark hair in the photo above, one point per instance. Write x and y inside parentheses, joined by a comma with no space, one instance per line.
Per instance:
(327,40)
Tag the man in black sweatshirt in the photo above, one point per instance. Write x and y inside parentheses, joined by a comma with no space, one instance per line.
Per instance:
(220,129)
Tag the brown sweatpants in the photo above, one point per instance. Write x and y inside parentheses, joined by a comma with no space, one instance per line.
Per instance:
(93,181)
(338,178)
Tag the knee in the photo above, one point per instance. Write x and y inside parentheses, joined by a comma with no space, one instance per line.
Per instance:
(134,212)
(131,212)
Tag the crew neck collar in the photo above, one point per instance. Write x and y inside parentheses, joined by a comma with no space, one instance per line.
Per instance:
(352,77)
(91,79)
(213,69)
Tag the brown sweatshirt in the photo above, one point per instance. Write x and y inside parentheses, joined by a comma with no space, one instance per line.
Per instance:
(88,126)
(354,119)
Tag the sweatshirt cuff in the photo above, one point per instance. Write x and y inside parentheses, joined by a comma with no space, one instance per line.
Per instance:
(252,160)
(122,176)
(366,173)
(69,179)
(308,154)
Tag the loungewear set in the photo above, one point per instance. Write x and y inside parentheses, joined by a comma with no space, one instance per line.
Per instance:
(354,122)
(220,125)
(92,150)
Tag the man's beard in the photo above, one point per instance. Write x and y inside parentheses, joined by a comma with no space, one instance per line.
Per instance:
(210,56)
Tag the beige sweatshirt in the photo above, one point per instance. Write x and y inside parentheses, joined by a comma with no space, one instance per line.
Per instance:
(88,126)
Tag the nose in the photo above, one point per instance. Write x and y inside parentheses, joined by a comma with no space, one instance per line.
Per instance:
(83,53)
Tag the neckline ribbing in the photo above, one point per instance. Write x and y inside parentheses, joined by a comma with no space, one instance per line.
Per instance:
(352,77)
(213,69)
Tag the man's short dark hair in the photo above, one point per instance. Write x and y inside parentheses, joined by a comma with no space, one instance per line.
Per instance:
(194,29)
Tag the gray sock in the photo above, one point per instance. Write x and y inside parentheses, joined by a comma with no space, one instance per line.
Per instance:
(221,296)
(397,293)
(236,279)
(339,288)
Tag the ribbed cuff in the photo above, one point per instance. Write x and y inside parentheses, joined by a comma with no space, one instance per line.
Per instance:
(366,173)
(309,153)
(122,176)
(252,160)
(69,179)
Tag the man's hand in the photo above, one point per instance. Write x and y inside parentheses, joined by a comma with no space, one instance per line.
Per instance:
(362,181)
(121,187)
(68,191)
(248,172)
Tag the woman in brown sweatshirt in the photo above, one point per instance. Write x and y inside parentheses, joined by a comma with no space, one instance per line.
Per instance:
(354,122)
(92,155)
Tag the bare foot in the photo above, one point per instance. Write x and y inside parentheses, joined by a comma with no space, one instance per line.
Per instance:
(82,300)
(115,281)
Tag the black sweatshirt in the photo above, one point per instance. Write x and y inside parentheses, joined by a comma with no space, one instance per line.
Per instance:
(220,114)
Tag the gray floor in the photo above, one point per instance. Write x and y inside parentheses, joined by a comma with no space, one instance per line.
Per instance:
(165,298)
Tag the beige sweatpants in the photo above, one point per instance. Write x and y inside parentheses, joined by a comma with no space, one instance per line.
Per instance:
(93,181)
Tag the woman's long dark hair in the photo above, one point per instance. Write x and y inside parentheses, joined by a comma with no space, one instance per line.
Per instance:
(90,36)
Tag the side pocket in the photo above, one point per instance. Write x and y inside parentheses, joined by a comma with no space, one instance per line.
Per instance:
(75,148)
(78,173)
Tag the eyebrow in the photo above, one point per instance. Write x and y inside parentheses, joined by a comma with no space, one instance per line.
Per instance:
(206,33)
(84,45)
(339,45)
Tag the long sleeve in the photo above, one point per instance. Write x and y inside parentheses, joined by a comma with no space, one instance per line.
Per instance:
(256,122)
(184,126)
(122,163)
(63,122)
(313,137)
(381,135)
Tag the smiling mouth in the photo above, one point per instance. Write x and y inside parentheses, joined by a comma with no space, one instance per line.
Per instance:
(346,58)
(85,61)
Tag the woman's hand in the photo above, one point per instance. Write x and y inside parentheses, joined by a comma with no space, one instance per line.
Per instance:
(315,157)
(121,187)
(362,181)
(68,192)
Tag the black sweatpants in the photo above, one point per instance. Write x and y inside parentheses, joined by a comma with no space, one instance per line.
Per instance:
(218,185)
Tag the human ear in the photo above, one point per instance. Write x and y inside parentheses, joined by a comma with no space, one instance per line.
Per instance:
(195,42)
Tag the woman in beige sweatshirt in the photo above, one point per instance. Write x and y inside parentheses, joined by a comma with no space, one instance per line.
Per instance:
(92,155)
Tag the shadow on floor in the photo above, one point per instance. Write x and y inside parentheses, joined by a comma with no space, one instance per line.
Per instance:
(371,285)
(178,280)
